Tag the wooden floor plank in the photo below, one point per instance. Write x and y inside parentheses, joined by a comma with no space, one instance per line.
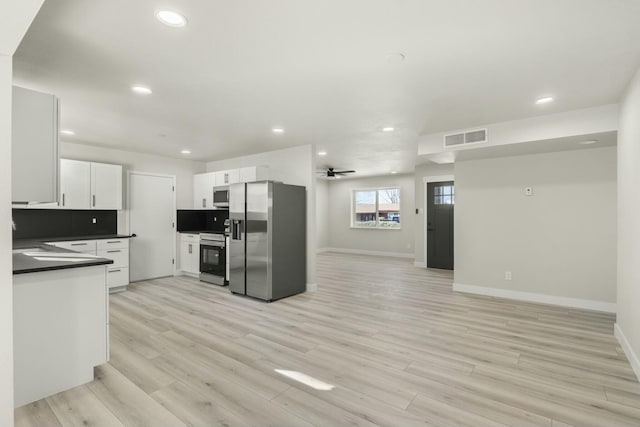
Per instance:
(393,342)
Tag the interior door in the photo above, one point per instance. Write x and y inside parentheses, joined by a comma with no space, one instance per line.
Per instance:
(440,205)
(75,184)
(151,218)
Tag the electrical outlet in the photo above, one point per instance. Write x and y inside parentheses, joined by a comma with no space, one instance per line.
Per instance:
(95,220)
(507,275)
(528,191)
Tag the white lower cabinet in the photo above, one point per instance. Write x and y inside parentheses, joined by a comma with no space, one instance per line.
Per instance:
(116,250)
(189,250)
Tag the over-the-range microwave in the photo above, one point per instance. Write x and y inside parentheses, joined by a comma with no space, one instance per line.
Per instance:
(221,198)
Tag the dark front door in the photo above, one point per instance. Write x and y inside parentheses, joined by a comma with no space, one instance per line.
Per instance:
(440,203)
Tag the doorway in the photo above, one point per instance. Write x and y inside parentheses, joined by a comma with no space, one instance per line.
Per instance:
(152,210)
(440,203)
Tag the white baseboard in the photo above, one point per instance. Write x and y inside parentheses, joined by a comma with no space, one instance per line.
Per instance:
(312,287)
(420,264)
(608,307)
(365,252)
(184,273)
(628,351)
(321,250)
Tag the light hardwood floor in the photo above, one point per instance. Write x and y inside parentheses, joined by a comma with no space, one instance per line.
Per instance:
(399,347)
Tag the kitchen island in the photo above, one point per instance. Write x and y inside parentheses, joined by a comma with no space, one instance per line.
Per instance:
(60,319)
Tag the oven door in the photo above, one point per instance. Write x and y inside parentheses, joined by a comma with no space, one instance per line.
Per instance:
(213,258)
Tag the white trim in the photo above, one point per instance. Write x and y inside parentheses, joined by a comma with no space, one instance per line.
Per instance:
(608,307)
(628,351)
(425,181)
(175,219)
(186,273)
(312,287)
(322,250)
(420,264)
(374,253)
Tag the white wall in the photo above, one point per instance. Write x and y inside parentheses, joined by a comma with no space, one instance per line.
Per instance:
(292,166)
(421,172)
(560,242)
(322,213)
(578,122)
(6,274)
(342,236)
(628,322)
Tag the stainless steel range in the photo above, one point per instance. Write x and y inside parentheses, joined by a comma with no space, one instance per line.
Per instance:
(213,258)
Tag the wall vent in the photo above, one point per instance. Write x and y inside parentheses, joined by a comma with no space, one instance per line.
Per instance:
(463,138)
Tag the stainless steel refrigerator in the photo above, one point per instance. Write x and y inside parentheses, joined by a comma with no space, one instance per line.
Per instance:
(268,239)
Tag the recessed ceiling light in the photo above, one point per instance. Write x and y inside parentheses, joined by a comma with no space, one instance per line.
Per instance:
(394,172)
(593,141)
(141,90)
(171,18)
(277,130)
(322,153)
(185,152)
(544,100)
(388,129)
(67,132)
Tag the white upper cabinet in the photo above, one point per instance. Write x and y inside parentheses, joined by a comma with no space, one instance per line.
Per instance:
(203,190)
(34,146)
(204,183)
(87,185)
(106,186)
(254,173)
(231,176)
(75,184)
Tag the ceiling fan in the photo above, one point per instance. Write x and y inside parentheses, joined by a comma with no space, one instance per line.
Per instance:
(332,173)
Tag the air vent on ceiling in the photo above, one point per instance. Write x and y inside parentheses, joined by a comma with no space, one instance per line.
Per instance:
(463,138)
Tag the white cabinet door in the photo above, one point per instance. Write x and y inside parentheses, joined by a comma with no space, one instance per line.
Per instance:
(106,186)
(254,173)
(203,190)
(189,257)
(75,184)
(231,176)
(185,257)
(34,146)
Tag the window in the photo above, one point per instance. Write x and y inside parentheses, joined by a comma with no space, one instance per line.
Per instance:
(377,208)
(444,195)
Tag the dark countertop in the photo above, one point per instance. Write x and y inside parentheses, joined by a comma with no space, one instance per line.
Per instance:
(48,258)
(68,239)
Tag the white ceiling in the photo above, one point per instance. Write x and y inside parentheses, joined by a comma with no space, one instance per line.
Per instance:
(319,69)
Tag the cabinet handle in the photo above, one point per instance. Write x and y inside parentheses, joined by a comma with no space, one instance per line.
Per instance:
(63,201)
(117,250)
(204,203)
(115,241)
(114,271)
(190,248)
(78,244)
(94,200)
(226,178)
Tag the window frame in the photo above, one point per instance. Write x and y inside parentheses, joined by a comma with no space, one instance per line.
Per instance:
(377,207)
